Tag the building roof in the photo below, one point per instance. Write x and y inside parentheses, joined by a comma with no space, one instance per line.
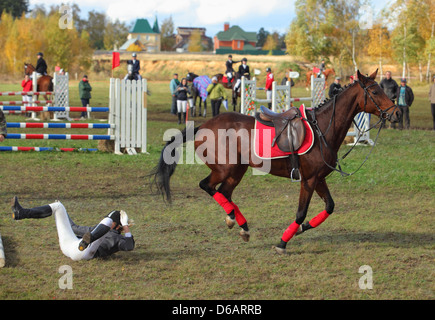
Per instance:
(236,33)
(142,26)
(128,43)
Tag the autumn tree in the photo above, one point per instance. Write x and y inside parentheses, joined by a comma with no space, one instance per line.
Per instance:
(195,42)
(167,33)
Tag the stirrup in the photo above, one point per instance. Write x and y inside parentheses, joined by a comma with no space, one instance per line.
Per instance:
(291,175)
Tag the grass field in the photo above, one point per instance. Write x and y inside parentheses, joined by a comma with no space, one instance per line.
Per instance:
(384,218)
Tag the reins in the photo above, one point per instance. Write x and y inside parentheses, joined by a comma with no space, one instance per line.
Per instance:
(384,115)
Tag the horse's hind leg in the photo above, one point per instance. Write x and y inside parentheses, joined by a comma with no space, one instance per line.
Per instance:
(323,192)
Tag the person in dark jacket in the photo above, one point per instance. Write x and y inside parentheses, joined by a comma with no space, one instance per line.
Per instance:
(335,87)
(229,68)
(41,65)
(183,93)
(405,97)
(85,94)
(389,85)
(82,242)
(135,66)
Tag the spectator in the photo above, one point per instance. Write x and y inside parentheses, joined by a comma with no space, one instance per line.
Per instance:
(85,95)
(27,87)
(432,100)
(287,78)
(405,97)
(183,92)
(217,93)
(268,88)
(389,85)
(173,87)
(335,87)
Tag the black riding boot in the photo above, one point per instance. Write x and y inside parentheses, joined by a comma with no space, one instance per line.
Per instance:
(19,213)
(89,237)
(179,117)
(184,117)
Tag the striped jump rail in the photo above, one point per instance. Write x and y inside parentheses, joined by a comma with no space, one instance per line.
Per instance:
(45,149)
(38,136)
(15,103)
(60,125)
(24,93)
(70,109)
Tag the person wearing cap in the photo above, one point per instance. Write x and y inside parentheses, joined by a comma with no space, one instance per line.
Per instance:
(85,95)
(83,242)
(173,85)
(229,68)
(432,100)
(135,66)
(335,87)
(41,65)
(405,97)
(268,87)
(217,93)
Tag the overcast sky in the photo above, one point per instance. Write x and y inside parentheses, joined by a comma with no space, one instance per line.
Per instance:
(250,15)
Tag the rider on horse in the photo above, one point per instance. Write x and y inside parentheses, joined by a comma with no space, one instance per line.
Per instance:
(41,65)
(134,67)
(243,72)
(229,65)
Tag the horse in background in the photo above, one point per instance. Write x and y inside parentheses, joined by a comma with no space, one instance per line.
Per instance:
(230,85)
(326,73)
(198,90)
(43,84)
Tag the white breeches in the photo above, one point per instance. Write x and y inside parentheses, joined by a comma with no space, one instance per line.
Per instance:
(181,105)
(68,241)
(27,101)
(269,95)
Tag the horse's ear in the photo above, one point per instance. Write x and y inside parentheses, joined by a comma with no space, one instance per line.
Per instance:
(373,75)
(359,75)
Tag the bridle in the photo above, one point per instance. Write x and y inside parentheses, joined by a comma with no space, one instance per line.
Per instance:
(383,116)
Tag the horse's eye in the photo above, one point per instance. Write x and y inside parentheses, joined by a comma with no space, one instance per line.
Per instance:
(375,92)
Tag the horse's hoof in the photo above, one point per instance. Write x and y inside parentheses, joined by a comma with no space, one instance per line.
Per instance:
(245,235)
(230,222)
(299,231)
(281,251)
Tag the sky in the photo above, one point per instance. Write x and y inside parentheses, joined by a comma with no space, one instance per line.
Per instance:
(250,15)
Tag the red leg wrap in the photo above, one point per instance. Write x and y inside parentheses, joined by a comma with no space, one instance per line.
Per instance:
(317,220)
(239,216)
(290,232)
(224,203)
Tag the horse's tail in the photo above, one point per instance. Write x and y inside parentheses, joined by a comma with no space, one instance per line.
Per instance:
(161,174)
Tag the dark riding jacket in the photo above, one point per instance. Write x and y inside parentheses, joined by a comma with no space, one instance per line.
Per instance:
(229,65)
(243,70)
(136,66)
(41,66)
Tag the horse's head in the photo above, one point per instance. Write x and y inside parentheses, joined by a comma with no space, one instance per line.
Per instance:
(28,69)
(374,100)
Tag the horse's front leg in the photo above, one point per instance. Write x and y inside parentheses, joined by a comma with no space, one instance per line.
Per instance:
(307,189)
(323,192)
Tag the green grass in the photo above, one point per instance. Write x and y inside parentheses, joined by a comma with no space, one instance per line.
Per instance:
(384,217)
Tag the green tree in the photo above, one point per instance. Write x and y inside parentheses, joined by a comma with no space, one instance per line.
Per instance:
(115,34)
(167,33)
(15,7)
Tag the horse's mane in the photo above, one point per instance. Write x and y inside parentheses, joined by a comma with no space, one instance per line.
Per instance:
(328,101)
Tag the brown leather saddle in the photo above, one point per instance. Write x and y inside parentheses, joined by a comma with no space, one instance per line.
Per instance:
(289,134)
(289,128)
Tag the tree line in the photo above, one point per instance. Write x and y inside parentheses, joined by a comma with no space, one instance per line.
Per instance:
(344,35)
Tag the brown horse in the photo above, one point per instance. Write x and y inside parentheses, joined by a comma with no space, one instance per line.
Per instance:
(230,85)
(330,123)
(326,73)
(45,83)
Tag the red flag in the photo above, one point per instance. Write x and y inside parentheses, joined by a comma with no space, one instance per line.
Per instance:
(115,60)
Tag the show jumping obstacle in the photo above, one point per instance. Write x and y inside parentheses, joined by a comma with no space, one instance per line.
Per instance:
(2,253)
(127,120)
(281,95)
